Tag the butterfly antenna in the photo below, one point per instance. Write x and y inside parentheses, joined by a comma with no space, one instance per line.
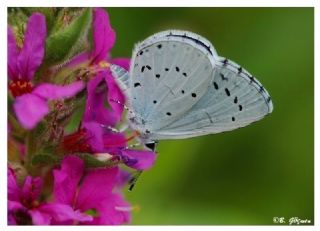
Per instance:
(124,106)
(118,102)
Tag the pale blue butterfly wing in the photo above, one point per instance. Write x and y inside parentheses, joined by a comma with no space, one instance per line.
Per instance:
(179,87)
(122,77)
(234,99)
(162,73)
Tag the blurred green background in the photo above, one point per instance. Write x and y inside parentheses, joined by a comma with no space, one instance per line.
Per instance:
(250,175)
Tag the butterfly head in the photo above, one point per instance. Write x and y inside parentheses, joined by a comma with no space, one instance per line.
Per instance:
(140,126)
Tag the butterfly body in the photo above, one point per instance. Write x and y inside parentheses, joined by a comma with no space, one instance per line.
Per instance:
(178,87)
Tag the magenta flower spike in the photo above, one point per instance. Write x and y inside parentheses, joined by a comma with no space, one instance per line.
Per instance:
(24,205)
(98,60)
(52,180)
(31,102)
(91,192)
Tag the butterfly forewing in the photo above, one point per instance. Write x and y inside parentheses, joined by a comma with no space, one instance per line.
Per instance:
(121,76)
(168,78)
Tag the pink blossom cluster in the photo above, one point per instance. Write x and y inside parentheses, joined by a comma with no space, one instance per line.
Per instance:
(62,188)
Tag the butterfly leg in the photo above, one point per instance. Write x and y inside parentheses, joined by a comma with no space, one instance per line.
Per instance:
(134,179)
(132,182)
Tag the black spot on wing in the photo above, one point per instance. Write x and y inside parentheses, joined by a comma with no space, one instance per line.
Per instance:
(269,99)
(227,91)
(223,78)
(215,85)
(251,79)
(137,84)
(235,100)
(225,62)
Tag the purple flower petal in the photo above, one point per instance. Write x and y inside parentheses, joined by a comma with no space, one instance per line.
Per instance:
(39,218)
(15,205)
(94,131)
(62,212)
(114,95)
(66,179)
(113,211)
(96,186)
(96,100)
(33,49)
(13,189)
(30,109)
(103,35)
(122,62)
(113,141)
(31,188)
(139,159)
(123,178)
(11,219)
(13,53)
(51,91)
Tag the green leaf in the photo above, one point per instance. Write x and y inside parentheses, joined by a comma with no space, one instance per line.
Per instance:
(70,40)
(92,162)
(45,159)
(75,118)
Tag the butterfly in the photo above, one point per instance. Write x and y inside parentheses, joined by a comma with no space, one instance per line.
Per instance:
(179,87)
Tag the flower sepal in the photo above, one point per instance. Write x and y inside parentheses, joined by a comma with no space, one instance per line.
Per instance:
(93,161)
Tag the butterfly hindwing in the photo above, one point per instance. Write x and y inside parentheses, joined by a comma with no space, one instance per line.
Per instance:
(234,99)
